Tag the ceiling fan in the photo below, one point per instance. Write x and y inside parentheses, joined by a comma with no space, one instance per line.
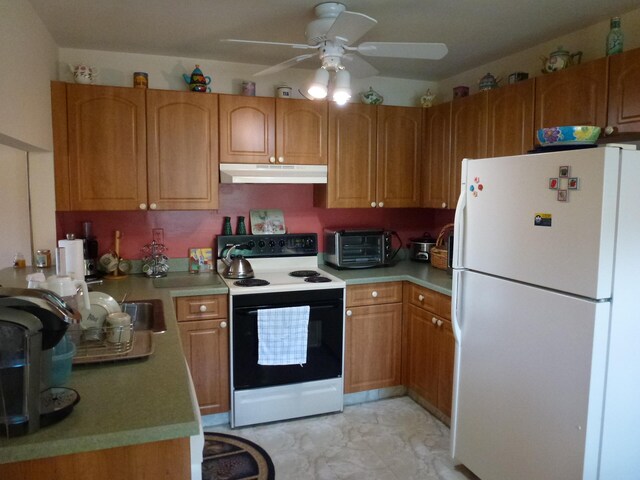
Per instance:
(332,35)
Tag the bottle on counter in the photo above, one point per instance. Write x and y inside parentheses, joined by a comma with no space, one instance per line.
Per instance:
(615,38)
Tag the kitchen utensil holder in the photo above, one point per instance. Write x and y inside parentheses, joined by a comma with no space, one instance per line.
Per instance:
(439,252)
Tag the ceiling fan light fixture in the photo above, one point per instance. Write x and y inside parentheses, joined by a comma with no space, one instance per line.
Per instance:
(342,87)
(319,86)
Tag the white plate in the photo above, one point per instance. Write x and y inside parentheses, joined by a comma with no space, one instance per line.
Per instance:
(101,306)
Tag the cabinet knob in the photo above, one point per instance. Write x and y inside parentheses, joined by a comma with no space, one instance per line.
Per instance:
(203,308)
(223,324)
(440,322)
(280,159)
(444,205)
(272,159)
(143,206)
(381,204)
(373,204)
(153,206)
(349,313)
(420,297)
(434,320)
(374,294)
(609,130)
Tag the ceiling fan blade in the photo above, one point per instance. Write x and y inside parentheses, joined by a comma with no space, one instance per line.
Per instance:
(350,26)
(358,67)
(284,65)
(260,42)
(426,51)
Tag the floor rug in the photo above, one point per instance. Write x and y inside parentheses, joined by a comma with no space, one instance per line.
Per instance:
(227,457)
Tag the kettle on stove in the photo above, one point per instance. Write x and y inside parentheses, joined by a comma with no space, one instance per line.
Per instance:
(236,267)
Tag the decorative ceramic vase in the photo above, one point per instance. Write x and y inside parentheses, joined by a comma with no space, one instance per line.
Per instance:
(371,97)
(615,38)
(83,74)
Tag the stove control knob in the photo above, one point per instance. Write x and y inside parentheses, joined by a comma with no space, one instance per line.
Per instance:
(203,308)
(272,243)
(223,324)
(349,313)
(251,244)
(261,243)
(282,243)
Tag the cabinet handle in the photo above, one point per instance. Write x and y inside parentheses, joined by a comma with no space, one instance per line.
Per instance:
(153,206)
(203,308)
(434,320)
(280,159)
(143,206)
(440,322)
(272,159)
(374,294)
(420,297)
(373,204)
(223,324)
(444,205)
(349,313)
(381,204)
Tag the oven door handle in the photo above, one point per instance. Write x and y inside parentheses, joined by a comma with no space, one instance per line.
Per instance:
(313,307)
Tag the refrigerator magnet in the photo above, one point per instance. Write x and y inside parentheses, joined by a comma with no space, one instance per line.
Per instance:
(563,172)
(573,184)
(553,183)
(562,196)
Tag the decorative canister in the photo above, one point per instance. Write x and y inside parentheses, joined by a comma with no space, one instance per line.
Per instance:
(249,89)
(516,77)
(283,91)
(460,91)
(371,97)
(140,79)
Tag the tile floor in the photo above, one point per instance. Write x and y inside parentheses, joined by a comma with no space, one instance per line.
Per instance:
(392,439)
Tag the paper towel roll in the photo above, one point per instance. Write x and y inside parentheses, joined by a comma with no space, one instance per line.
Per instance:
(74,257)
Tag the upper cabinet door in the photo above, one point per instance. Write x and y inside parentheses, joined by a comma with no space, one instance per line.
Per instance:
(468,137)
(107,147)
(436,152)
(247,129)
(301,132)
(510,119)
(352,158)
(182,143)
(575,96)
(399,154)
(624,91)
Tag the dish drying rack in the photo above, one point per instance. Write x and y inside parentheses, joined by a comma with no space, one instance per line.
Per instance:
(155,262)
(92,344)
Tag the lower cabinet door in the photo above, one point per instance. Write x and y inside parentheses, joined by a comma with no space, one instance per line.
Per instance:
(446,353)
(423,358)
(373,347)
(206,348)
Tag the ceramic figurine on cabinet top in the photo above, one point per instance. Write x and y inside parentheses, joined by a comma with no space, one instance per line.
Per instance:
(197,81)
(83,74)
(427,99)
(371,97)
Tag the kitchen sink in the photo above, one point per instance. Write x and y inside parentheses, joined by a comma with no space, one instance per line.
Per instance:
(146,314)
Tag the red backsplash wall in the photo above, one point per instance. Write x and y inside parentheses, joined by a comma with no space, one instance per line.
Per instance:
(185,229)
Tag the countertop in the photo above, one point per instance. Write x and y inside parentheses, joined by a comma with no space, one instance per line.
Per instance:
(148,400)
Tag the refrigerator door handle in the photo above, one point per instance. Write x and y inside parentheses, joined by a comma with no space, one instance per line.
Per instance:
(455,317)
(458,221)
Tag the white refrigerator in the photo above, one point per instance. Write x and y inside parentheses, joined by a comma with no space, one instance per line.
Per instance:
(546,316)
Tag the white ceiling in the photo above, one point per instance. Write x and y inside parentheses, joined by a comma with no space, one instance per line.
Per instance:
(475,32)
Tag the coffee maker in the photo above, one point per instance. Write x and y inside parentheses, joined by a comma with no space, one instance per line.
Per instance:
(32,322)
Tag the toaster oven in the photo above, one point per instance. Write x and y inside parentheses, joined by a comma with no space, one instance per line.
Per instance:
(358,248)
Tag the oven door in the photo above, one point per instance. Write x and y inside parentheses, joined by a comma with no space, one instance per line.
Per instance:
(324,344)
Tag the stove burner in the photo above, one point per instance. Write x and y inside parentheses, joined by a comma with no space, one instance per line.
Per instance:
(317,279)
(251,282)
(304,273)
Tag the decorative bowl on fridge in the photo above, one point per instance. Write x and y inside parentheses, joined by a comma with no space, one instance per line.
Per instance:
(568,135)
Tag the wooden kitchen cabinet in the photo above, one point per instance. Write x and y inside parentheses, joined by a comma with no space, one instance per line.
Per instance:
(374,157)
(431,347)
(182,150)
(436,152)
(468,137)
(575,96)
(204,332)
(99,147)
(121,148)
(510,119)
(373,336)
(624,94)
(268,130)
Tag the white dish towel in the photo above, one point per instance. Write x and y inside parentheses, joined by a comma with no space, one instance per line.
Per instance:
(282,335)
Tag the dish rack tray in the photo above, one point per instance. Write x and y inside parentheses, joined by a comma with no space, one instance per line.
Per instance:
(92,344)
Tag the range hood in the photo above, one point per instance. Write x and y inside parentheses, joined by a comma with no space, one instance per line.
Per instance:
(260,173)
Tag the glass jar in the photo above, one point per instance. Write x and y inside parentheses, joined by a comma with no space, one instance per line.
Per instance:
(19,261)
(43,258)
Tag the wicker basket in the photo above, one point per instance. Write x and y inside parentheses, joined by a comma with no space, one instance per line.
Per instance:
(439,252)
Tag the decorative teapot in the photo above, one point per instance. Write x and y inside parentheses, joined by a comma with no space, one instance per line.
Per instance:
(560,59)
(83,74)
(197,81)
(371,97)
(489,82)
(427,99)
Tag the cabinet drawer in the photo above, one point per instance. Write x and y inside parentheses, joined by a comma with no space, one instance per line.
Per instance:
(204,307)
(374,294)
(431,300)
